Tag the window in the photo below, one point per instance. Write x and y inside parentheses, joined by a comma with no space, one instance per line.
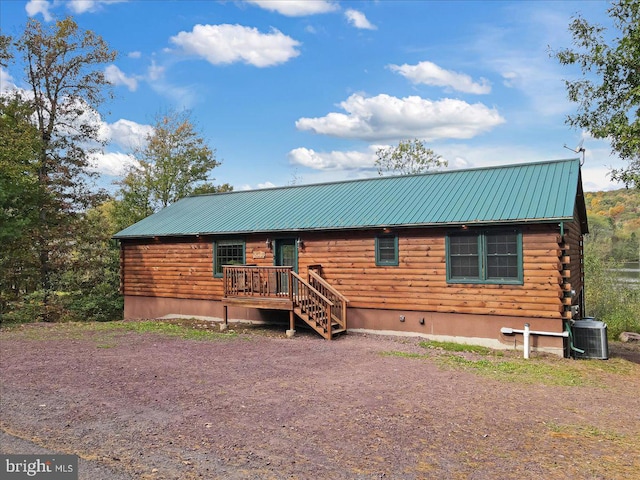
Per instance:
(387,250)
(228,252)
(484,257)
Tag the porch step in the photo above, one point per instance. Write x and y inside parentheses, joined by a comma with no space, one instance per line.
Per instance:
(335,327)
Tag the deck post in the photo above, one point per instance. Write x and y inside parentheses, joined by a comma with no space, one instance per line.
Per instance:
(225,325)
(292,324)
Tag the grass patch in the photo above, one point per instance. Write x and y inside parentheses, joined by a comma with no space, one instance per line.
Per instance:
(457,347)
(162,328)
(106,331)
(589,432)
(395,353)
(506,366)
(521,371)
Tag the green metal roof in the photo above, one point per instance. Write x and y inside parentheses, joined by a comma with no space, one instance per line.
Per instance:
(534,192)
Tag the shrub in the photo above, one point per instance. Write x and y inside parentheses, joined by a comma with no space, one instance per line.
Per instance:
(608,298)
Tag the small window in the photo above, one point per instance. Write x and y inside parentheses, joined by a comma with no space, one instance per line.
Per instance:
(484,257)
(387,250)
(228,252)
(502,256)
(464,256)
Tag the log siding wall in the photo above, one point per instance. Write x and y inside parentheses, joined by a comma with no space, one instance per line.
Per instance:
(183,268)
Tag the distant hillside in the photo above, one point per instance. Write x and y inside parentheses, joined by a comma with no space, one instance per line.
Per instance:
(614,221)
(622,206)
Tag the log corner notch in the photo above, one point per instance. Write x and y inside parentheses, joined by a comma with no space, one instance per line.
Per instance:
(565,270)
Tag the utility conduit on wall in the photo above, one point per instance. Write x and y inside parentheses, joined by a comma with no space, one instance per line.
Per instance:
(527,333)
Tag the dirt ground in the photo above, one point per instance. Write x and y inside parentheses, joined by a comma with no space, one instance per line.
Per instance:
(260,406)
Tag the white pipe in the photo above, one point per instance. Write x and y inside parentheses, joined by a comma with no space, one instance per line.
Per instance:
(511,331)
(528,332)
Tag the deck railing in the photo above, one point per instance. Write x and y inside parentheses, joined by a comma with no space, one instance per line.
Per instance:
(315,301)
(253,281)
(339,310)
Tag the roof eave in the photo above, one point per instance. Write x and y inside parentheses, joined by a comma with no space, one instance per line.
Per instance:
(475,223)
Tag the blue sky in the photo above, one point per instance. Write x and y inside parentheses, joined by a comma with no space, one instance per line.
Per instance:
(306,91)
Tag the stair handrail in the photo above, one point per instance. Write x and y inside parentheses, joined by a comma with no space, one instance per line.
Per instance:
(341,317)
(328,286)
(316,299)
(312,288)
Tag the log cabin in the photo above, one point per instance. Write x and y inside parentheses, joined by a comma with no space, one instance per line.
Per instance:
(452,255)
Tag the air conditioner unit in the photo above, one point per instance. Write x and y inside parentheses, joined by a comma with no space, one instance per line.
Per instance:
(590,335)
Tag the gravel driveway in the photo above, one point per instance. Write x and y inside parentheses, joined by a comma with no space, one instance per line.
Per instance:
(255,406)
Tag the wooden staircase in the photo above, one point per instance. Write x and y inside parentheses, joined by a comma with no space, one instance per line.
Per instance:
(314,301)
(316,309)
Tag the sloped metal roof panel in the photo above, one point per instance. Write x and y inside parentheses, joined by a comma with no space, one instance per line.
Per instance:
(536,192)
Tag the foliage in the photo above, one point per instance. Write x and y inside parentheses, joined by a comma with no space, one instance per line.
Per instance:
(19,193)
(614,223)
(408,158)
(608,94)
(614,229)
(607,298)
(5,50)
(175,163)
(49,134)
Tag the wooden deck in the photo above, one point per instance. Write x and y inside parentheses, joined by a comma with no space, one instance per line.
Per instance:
(279,288)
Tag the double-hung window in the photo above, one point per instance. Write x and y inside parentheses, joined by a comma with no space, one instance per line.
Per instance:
(227,252)
(387,250)
(484,257)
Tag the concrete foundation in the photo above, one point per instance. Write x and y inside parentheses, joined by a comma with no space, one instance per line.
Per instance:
(460,328)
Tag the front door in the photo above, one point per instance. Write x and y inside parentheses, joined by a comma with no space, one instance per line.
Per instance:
(286,255)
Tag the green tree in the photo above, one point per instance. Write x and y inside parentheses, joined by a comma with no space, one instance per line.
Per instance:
(19,192)
(175,162)
(92,280)
(608,93)
(64,71)
(407,158)
(5,50)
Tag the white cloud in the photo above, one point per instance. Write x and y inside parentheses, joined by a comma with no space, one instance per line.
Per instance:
(296,8)
(535,79)
(34,7)
(429,73)
(117,77)
(135,54)
(358,19)
(335,160)
(184,97)
(384,117)
(224,44)
(126,134)
(83,6)
(247,186)
(518,50)
(155,72)
(6,81)
(112,163)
